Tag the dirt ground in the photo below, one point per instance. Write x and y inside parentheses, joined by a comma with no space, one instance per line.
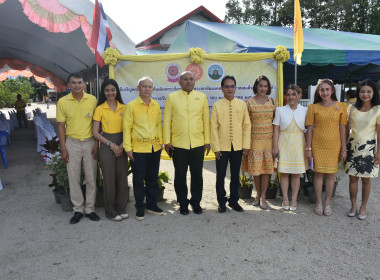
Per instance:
(37,241)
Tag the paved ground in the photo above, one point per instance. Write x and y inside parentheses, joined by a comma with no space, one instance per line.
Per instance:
(37,241)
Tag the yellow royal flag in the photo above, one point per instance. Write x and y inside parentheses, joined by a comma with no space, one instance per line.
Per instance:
(298,33)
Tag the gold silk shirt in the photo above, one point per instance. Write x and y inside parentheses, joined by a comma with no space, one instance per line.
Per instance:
(112,122)
(142,126)
(186,119)
(77,115)
(230,124)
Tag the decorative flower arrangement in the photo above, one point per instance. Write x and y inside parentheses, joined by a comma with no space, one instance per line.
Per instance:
(281,54)
(197,55)
(111,56)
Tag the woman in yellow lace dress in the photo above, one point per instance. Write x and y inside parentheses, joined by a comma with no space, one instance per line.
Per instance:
(326,140)
(259,161)
(289,144)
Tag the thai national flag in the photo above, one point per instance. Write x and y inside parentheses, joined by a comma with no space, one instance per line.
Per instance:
(101,33)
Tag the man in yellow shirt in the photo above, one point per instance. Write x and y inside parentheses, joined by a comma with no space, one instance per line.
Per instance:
(20,105)
(230,139)
(74,117)
(186,133)
(142,139)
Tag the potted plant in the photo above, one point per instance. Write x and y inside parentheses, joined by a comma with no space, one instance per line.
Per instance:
(51,146)
(58,166)
(57,190)
(246,186)
(310,186)
(273,187)
(163,177)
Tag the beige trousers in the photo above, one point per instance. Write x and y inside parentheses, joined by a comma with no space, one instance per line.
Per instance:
(77,151)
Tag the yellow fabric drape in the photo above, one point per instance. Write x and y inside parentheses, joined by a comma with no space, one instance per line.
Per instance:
(197,55)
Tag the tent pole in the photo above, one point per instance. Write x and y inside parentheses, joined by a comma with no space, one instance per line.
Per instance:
(295,73)
(97,81)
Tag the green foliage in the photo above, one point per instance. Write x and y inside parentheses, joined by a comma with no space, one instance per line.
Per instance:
(10,88)
(163,177)
(40,89)
(246,181)
(58,166)
(362,16)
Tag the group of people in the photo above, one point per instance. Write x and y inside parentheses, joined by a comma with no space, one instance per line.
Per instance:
(254,136)
(334,133)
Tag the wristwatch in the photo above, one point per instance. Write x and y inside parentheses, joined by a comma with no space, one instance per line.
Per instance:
(308,149)
(108,143)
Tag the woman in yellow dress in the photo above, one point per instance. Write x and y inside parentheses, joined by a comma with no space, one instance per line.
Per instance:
(326,140)
(259,161)
(363,147)
(289,144)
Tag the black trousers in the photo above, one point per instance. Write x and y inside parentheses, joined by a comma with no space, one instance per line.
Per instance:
(21,117)
(182,159)
(234,157)
(145,168)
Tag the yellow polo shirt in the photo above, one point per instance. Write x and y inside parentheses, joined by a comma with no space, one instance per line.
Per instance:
(77,115)
(142,126)
(20,105)
(112,122)
(230,124)
(186,119)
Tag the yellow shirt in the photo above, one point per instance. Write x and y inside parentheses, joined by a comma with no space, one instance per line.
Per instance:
(230,124)
(142,126)
(20,105)
(188,118)
(112,122)
(77,115)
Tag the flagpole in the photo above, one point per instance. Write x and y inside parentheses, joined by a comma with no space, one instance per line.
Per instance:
(97,81)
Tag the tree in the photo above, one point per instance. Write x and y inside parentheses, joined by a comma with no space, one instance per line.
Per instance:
(362,16)
(40,89)
(9,90)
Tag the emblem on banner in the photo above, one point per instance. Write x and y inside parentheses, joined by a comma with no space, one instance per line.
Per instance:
(215,72)
(173,71)
(196,69)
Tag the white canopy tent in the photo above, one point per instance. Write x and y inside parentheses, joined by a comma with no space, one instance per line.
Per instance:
(43,43)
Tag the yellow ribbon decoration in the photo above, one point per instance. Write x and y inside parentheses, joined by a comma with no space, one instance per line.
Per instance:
(281,54)
(197,55)
(111,56)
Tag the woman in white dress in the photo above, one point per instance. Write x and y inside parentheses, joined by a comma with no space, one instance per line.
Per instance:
(289,144)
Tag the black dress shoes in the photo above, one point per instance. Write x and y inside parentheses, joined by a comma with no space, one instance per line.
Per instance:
(184,210)
(197,209)
(93,216)
(235,206)
(222,208)
(76,218)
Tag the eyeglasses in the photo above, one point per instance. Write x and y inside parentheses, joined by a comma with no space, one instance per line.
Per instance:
(229,87)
